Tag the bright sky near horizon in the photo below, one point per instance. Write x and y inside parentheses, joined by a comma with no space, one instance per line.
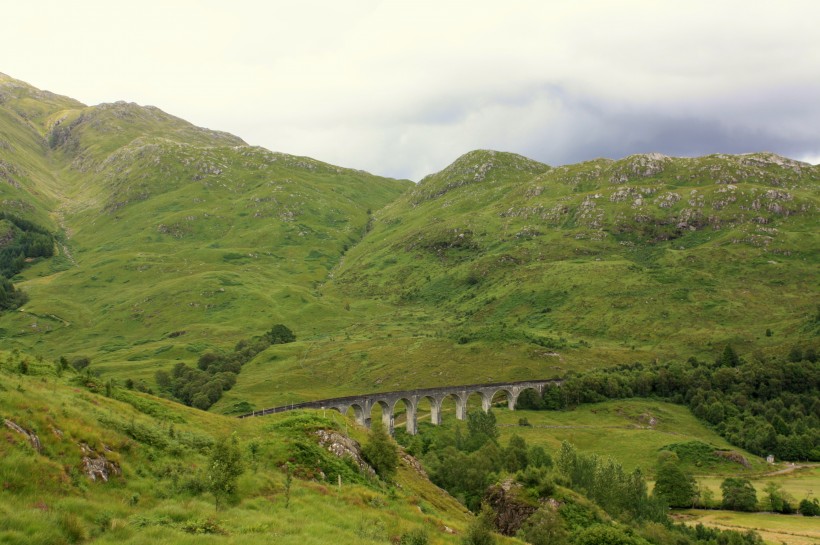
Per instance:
(402,88)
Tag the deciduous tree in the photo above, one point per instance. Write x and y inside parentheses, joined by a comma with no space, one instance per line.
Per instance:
(380,451)
(738,494)
(675,486)
(224,468)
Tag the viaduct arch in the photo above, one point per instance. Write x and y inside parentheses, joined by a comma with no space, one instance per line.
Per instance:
(362,405)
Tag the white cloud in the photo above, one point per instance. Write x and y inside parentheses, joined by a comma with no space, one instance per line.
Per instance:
(402,88)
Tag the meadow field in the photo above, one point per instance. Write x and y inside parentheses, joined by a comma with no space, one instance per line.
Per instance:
(775,529)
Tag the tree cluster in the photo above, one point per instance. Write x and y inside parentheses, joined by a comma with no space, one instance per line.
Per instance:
(604,481)
(215,373)
(465,465)
(10,297)
(19,240)
(766,405)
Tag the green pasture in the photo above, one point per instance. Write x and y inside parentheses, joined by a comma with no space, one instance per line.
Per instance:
(631,431)
(800,482)
(773,528)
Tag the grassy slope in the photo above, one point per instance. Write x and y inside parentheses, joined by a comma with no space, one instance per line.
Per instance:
(28,186)
(621,429)
(540,271)
(145,503)
(178,239)
(568,253)
(168,228)
(45,498)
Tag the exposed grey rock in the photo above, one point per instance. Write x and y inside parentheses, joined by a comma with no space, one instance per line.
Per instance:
(414,464)
(344,447)
(511,510)
(30,435)
(97,466)
(733,456)
(667,200)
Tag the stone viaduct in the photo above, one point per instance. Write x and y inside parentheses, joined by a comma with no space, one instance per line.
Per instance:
(362,405)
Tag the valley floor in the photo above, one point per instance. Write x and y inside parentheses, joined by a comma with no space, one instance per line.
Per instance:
(774,528)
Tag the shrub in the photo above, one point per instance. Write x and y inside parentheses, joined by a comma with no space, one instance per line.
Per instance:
(809,508)
(544,527)
(72,528)
(280,334)
(480,530)
(536,480)
(417,536)
(600,534)
(103,521)
(372,529)
(203,526)
(80,363)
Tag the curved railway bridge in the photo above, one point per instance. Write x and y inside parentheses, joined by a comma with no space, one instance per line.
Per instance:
(363,404)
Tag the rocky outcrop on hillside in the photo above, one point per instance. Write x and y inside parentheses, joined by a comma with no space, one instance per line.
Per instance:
(733,456)
(97,466)
(29,435)
(472,168)
(510,507)
(344,447)
(641,166)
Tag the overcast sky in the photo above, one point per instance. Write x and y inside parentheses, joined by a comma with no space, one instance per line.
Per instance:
(403,88)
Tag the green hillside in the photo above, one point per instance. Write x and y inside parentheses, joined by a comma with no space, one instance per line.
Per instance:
(499,267)
(86,461)
(171,238)
(140,254)
(150,460)
(660,255)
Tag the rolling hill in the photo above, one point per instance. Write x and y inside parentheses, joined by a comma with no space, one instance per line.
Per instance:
(137,242)
(499,267)
(166,230)
(172,240)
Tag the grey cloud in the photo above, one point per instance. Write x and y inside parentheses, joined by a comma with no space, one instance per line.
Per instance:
(781,120)
(619,136)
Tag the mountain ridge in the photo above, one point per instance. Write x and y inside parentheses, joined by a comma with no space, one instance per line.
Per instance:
(493,268)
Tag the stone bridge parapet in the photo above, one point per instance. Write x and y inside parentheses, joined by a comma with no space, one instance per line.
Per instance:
(363,404)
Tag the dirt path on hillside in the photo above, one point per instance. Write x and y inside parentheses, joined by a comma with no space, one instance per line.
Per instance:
(791,468)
